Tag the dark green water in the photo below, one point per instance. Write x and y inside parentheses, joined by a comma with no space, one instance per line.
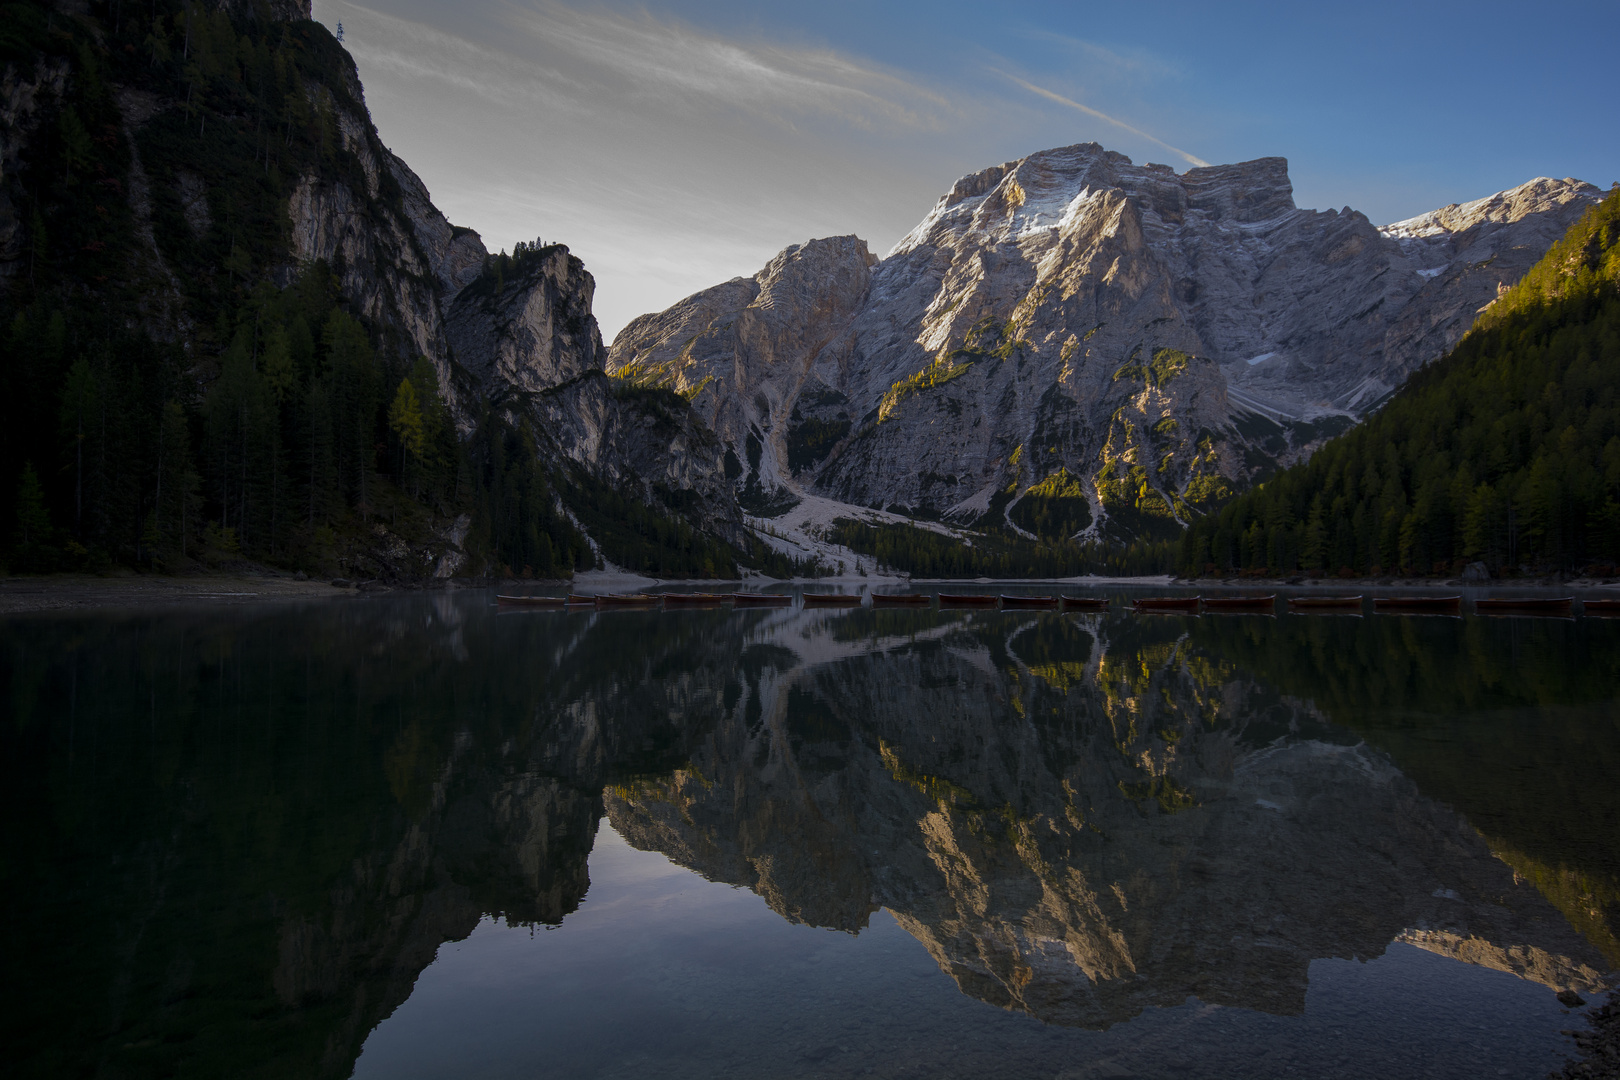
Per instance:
(414,837)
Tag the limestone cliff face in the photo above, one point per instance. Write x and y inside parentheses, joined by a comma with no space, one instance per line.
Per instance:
(519,339)
(748,348)
(509,337)
(532,337)
(1075,318)
(527,347)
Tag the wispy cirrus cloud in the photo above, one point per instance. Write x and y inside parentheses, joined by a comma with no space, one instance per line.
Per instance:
(1100,115)
(666,57)
(666,155)
(404,49)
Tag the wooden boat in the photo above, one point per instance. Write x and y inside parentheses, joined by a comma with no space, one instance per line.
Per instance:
(1166,603)
(580,601)
(1316,603)
(694,599)
(760,599)
(1600,607)
(907,600)
(626,600)
(1085,603)
(1524,605)
(551,602)
(967,600)
(1265,604)
(838,600)
(1446,604)
(1028,603)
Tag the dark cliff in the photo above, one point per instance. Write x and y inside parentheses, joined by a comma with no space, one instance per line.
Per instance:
(237,326)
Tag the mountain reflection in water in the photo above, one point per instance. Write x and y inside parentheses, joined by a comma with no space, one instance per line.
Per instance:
(235,838)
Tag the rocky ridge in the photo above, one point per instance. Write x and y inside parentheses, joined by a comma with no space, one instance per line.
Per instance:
(1075,326)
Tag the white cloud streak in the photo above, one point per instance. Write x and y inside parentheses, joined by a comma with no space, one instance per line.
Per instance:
(1089,111)
(671,156)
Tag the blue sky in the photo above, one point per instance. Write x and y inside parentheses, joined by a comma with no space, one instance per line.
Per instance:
(675,145)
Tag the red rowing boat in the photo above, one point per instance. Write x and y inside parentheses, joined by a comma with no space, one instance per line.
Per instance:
(1241,603)
(552,602)
(1166,603)
(907,600)
(1600,607)
(1085,603)
(626,600)
(833,600)
(967,600)
(1315,603)
(759,599)
(1028,603)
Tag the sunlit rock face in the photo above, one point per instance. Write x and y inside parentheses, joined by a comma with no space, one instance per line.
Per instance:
(1078,319)
(1136,827)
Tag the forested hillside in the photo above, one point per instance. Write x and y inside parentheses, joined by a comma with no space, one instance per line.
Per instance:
(1506,451)
(178,389)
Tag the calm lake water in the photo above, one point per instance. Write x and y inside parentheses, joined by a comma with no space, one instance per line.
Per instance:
(411,836)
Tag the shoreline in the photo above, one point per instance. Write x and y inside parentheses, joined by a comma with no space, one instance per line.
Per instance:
(86,592)
(1575,586)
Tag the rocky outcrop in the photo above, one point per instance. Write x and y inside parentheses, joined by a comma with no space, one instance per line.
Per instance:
(533,335)
(745,350)
(1129,337)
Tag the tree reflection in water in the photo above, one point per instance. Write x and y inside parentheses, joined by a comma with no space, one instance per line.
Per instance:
(234,838)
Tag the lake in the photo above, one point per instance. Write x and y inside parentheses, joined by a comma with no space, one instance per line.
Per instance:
(418,836)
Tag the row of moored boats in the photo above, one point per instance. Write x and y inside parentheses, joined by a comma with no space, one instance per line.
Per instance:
(1267,604)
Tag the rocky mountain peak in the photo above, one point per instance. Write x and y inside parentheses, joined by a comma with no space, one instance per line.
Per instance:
(1072,326)
(1539,196)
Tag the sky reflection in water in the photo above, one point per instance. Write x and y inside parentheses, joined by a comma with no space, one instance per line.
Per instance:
(925,843)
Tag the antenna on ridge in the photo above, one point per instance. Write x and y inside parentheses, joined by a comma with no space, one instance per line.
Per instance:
(340,32)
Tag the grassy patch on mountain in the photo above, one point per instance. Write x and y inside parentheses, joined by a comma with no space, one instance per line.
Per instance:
(935,375)
(1165,365)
